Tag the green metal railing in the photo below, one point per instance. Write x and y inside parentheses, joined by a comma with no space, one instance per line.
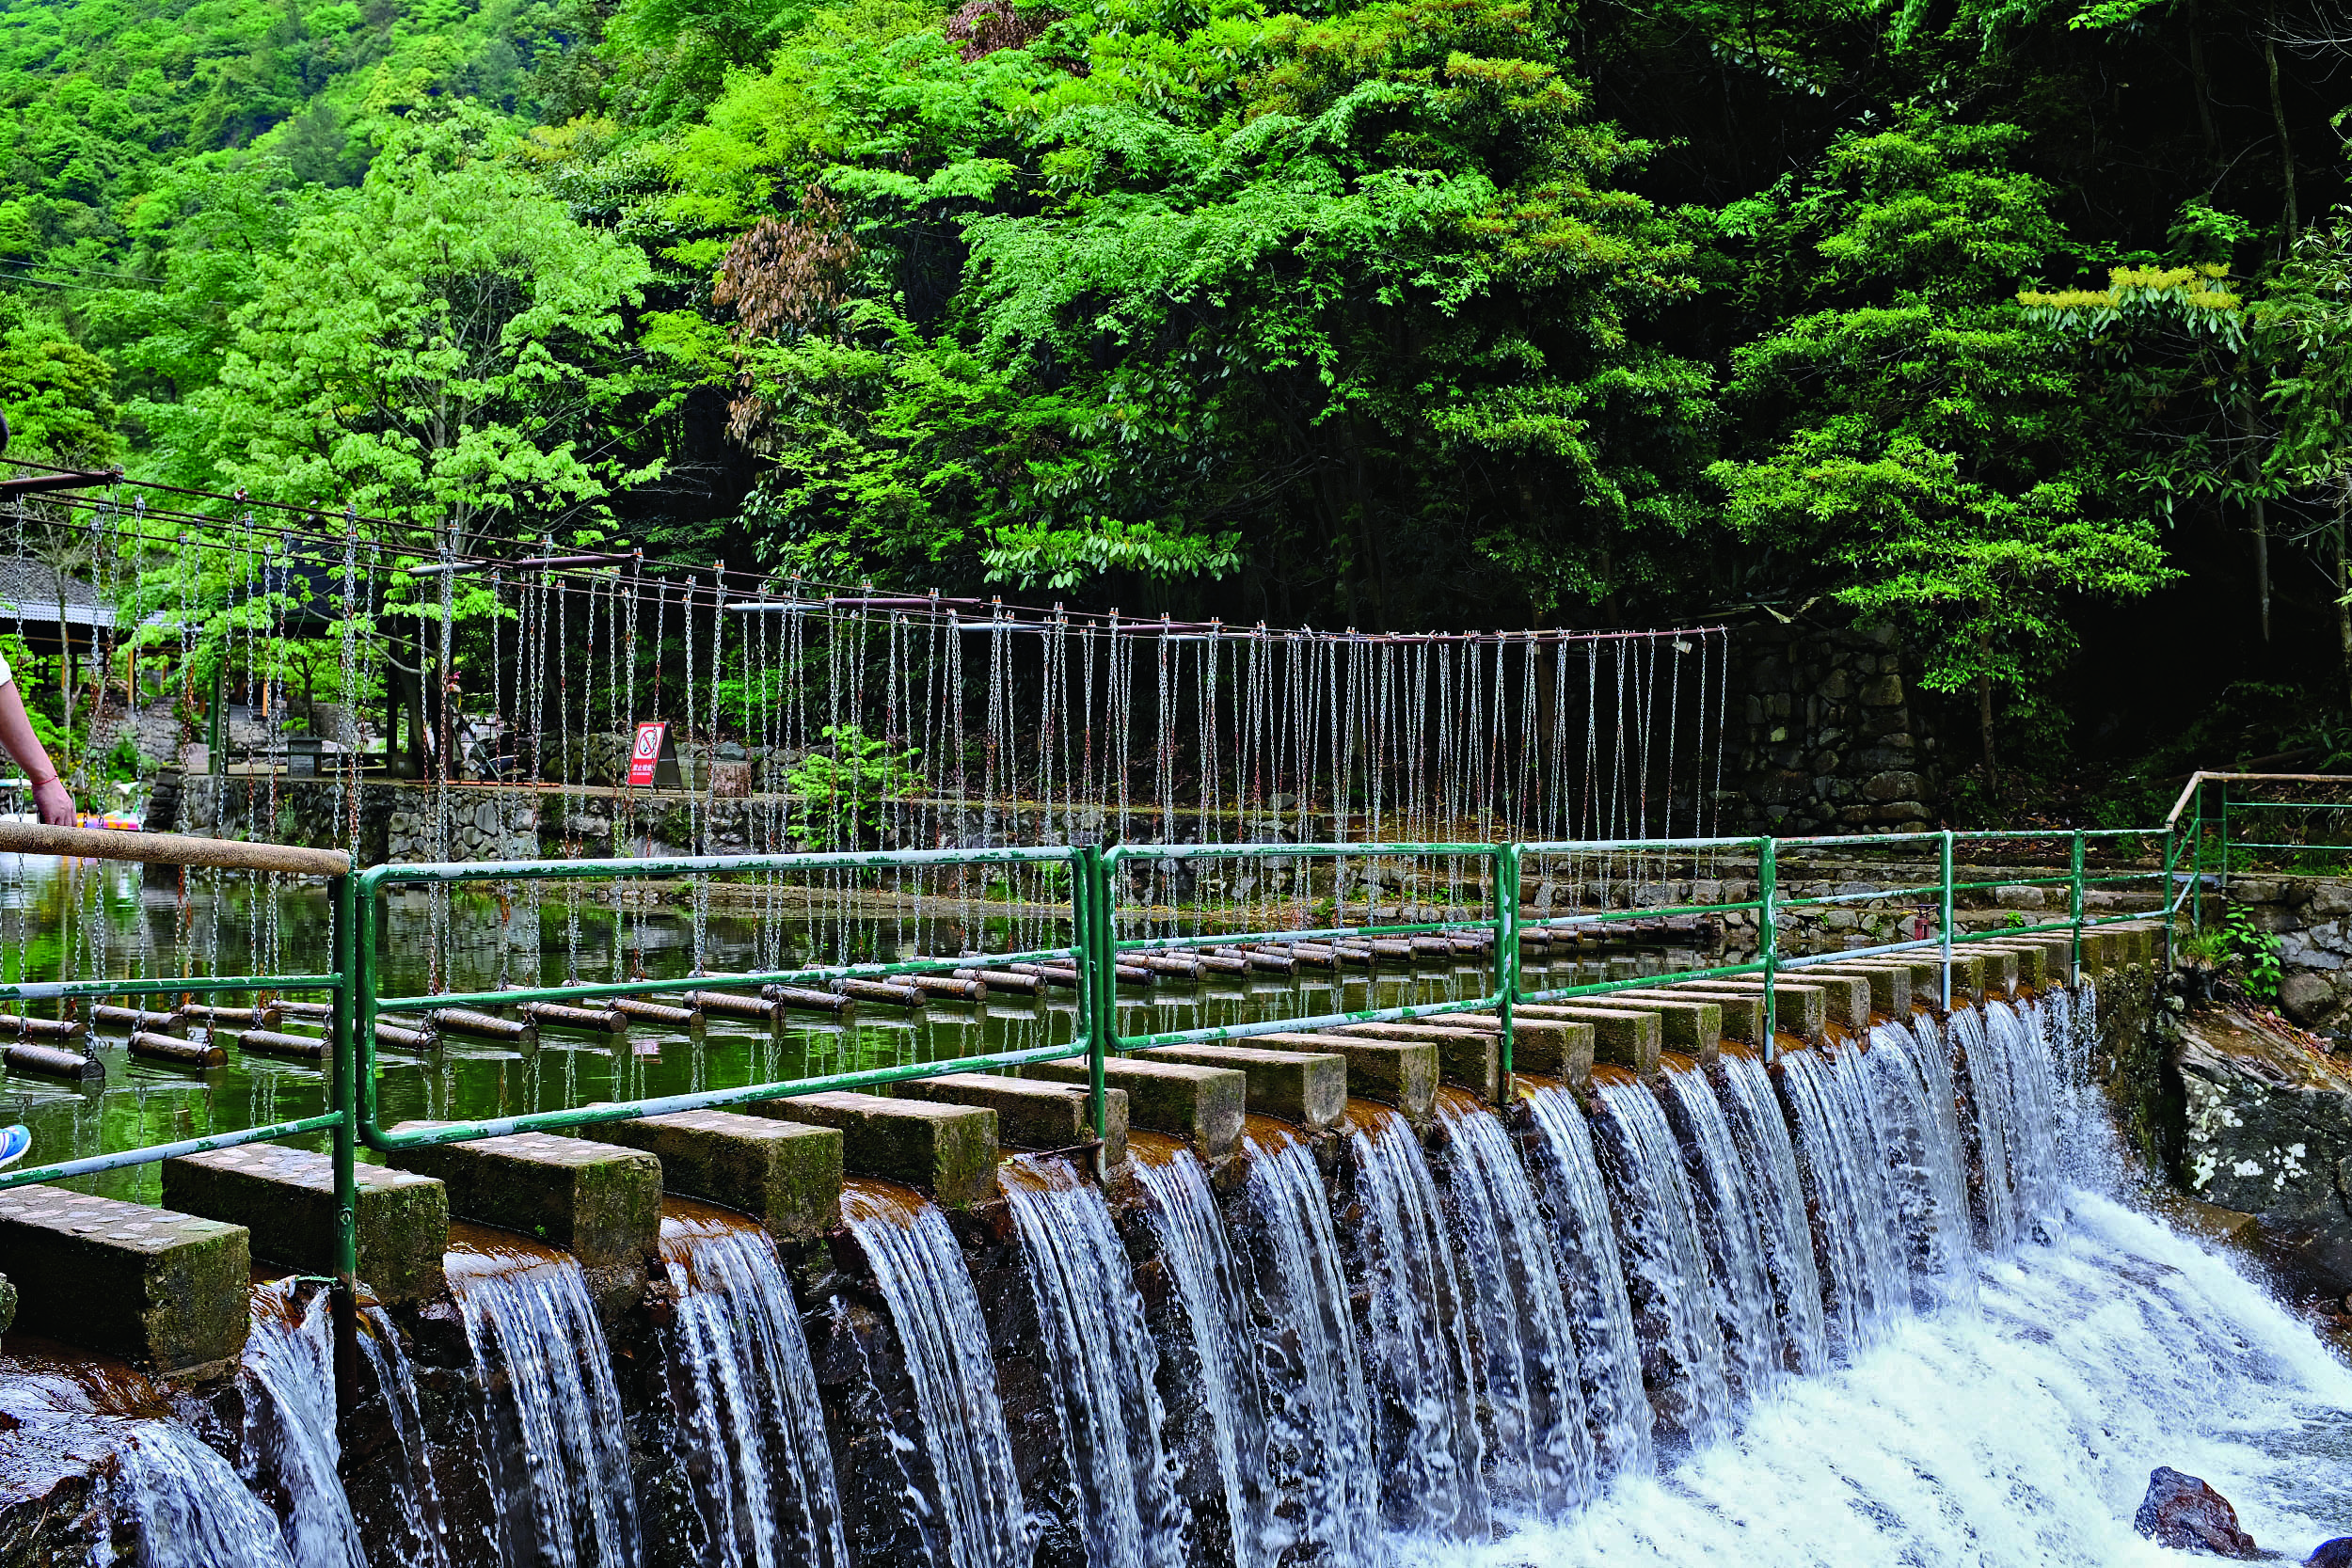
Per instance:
(2217,832)
(354,981)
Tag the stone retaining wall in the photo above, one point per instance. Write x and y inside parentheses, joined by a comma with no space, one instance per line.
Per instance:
(1823,735)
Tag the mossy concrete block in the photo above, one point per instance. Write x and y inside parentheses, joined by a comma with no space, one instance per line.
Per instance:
(1693,1025)
(1403,1074)
(1469,1052)
(2000,968)
(597,1201)
(1798,1010)
(1967,969)
(1033,1115)
(786,1175)
(286,1198)
(1848,999)
(1543,1042)
(1629,1036)
(1202,1104)
(1890,987)
(948,1151)
(2032,959)
(163,1290)
(1742,1016)
(1293,1085)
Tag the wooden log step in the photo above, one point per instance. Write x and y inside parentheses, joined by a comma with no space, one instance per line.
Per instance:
(1470,944)
(728,1005)
(230,1018)
(1308,957)
(269,1044)
(419,1040)
(878,991)
(804,999)
(1181,964)
(685,1020)
(947,987)
(1389,947)
(43,1028)
(315,1012)
(174,1051)
(1433,947)
(1266,960)
(50,1061)
(583,1021)
(1003,979)
(481,1026)
(1062,980)
(1218,963)
(111,1020)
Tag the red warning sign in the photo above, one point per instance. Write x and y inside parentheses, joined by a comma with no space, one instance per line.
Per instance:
(651,743)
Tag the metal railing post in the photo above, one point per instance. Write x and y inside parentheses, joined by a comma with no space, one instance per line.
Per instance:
(347,1083)
(1090,927)
(1768,941)
(2171,900)
(1506,952)
(1945,929)
(2075,871)
(2225,844)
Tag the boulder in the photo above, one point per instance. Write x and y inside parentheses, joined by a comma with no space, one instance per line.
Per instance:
(2331,1554)
(2268,1132)
(2306,996)
(2183,1513)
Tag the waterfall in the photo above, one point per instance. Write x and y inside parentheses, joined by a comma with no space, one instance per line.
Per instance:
(1920,1137)
(1675,1294)
(1105,1367)
(1768,1163)
(752,1428)
(192,1510)
(1318,1409)
(415,1493)
(290,1449)
(973,1519)
(1539,1451)
(1864,1279)
(1996,1206)
(1415,1338)
(1607,1350)
(1209,1281)
(2009,1079)
(555,1450)
(1727,1213)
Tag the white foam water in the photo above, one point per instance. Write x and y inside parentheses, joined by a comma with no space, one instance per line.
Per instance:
(192,1510)
(2018,1436)
(290,1449)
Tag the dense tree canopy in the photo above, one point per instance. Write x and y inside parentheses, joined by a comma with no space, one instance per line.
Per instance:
(2022,325)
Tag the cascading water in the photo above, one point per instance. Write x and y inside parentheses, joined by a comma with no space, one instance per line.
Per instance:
(1415,1339)
(1675,1294)
(1752,1360)
(1919,1138)
(555,1448)
(289,1448)
(1319,1452)
(1864,1279)
(1105,1366)
(1768,1163)
(973,1520)
(1607,1351)
(1210,1282)
(752,1428)
(192,1510)
(416,1496)
(1539,1453)
(2026,1092)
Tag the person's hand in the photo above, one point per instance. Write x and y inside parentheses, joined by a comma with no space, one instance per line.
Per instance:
(55,804)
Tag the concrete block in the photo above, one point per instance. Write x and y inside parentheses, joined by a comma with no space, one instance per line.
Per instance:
(1691,1026)
(1403,1074)
(163,1290)
(1310,1090)
(1623,1036)
(1032,1115)
(2032,959)
(286,1198)
(1967,975)
(1800,1009)
(1742,1016)
(1890,985)
(1202,1104)
(2000,967)
(600,1203)
(1848,999)
(786,1175)
(948,1151)
(1470,1053)
(1547,1045)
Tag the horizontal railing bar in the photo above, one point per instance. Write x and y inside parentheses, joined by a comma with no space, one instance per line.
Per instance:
(695,865)
(126,1158)
(215,854)
(1137,944)
(1647,982)
(714,982)
(1288,851)
(1125,1044)
(382,1138)
(36,991)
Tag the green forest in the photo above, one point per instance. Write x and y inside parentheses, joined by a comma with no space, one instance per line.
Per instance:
(2026,324)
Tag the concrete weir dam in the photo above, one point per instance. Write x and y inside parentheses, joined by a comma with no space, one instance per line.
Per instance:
(1832,1262)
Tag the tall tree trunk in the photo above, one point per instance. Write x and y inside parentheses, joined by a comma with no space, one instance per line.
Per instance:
(2201,86)
(2279,118)
(1984,698)
(2258,513)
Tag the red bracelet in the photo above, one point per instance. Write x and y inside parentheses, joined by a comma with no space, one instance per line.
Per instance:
(39,782)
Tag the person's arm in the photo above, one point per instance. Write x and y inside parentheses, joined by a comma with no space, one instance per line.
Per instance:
(50,798)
